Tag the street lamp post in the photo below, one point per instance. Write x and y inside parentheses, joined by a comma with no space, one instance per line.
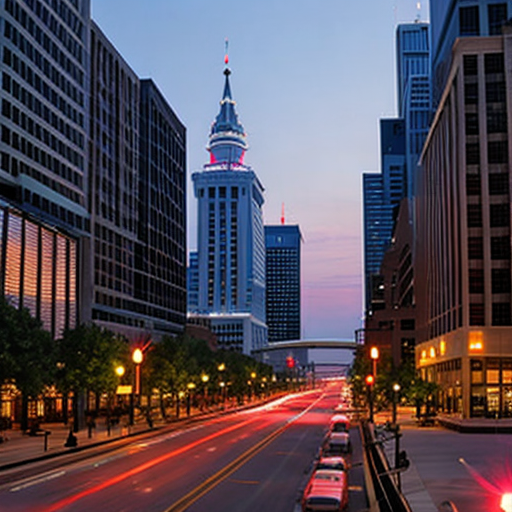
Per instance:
(222,384)
(190,387)
(205,378)
(369,383)
(396,389)
(374,355)
(137,358)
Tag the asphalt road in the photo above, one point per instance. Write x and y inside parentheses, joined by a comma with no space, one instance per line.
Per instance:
(256,460)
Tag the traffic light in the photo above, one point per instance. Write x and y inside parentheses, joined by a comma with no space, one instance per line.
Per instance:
(370,380)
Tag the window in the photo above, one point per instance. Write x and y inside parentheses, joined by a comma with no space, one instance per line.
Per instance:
(472,154)
(476,280)
(471,124)
(476,314)
(211,192)
(496,121)
(470,94)
(498,183)
(497,15)
(500,247)
(470,65)
(499,215)
(501,313)
(469,23)
(500,280)
(493,63)
(473,184)
(497,152)
(495,92)
(474,215)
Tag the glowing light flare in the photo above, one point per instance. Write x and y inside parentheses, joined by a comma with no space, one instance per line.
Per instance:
(488,486)
(506,502)
(374,353)
(442,347)
(137,356)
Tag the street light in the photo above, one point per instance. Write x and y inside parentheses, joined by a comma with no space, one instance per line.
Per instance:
(137,358)
(190,387)
(506,502)
(396,389)
(374,355)
(370,379)
(205,378)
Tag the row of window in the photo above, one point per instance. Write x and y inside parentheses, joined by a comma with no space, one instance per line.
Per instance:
(64,13)
(58,29)
(500,280)
(469,19)
(38,107)
(499,215)
(501,314)
(498,184)
(497,152)
(500,247)
(45,66)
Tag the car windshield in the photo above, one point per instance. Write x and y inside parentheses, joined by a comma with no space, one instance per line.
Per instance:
(339,466)
(327,476)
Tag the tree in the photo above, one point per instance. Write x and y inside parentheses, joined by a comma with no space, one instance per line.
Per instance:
(27,354)
(87,358)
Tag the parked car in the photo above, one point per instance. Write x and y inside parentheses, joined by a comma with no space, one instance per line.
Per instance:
(339,423)
(333,463)
(336,443)
(326,491)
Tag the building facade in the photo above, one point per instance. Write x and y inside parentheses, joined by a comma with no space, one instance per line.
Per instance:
(160,293)
(451,19)
(43,154)
(137,200)
(413,91)
(230,237)
(382,193)
(283,290)
(464,236)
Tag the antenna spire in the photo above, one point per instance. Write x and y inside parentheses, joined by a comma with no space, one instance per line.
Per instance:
(282,214)
(226,56)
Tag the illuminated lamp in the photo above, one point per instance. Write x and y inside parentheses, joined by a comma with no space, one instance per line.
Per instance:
(442,347)
(432,352)
(370,380)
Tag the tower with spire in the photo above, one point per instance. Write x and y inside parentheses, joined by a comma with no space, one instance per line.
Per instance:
(230,236)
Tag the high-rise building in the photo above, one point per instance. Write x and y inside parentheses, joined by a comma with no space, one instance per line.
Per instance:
(160,252)
(44,52)
(451,19)
(137,201)
(464,265)
(282,262)
(382,193)
(413,84)
(230,238)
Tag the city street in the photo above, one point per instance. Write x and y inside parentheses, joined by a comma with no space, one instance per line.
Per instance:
(253,460)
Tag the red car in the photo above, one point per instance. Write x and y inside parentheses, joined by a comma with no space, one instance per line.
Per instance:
(327,491)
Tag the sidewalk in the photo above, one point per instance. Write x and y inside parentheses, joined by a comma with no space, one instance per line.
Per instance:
(412,485)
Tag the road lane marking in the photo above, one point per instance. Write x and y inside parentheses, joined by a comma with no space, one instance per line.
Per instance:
(30,483)
(245,482)
(210,483)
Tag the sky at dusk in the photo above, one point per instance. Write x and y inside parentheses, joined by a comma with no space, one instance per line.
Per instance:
(311,79)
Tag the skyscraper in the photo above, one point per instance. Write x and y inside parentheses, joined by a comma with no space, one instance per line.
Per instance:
(464,234)
(451,19)
(137,200)
(382,193)
(413,91)
(230,238)
(282,244)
